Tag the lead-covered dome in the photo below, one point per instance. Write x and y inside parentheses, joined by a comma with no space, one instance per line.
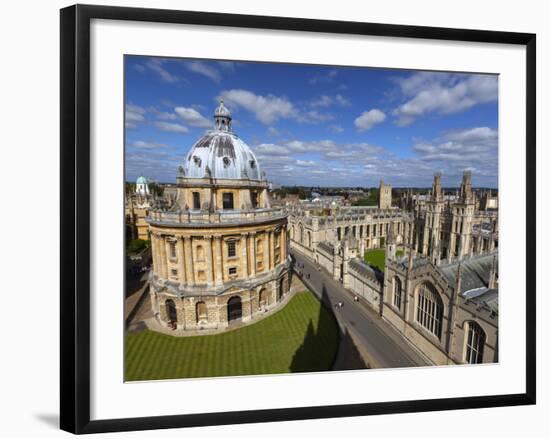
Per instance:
(221,154)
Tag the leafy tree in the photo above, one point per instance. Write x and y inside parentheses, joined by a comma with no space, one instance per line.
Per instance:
(138,245)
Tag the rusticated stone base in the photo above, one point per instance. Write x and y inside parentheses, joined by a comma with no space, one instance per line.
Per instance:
(241,303)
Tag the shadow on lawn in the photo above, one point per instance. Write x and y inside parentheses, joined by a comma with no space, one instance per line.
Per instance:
(313,354)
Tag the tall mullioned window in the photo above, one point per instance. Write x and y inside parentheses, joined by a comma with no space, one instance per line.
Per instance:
(429,309)
(172,250)
(227,200)
(475,341)
(231,249)
(196,200)
(397,292)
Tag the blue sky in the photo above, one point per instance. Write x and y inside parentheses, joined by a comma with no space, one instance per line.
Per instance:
(316,125)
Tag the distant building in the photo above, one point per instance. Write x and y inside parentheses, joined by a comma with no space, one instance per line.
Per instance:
(137,205)
(488,201)
(439,288)
(384,196)
(142,186)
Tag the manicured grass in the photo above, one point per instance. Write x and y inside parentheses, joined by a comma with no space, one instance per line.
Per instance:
(301,337)
(377,257)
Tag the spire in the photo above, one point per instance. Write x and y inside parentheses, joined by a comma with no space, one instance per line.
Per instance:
(222,118)
(466,194)
(493,274)
(458,284)
(436,187)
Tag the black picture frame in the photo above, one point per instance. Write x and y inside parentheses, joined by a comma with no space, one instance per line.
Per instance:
(75,217)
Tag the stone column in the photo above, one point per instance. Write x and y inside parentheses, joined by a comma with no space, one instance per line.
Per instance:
(208,253)
(283,244)
(244,255)
(252,245)
(189,269)
(271,251)
(163,258)
(181,263)
(155,252)
(218,269)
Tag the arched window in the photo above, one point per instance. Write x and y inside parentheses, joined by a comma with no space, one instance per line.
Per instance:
(200,253)
(429,308)
(282,289)
(397,290)
(309,239)
(202,312)
(263,298)
(301,237)
(234,309)
(171,313)
(475,341)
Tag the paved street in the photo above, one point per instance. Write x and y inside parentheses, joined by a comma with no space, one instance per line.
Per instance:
(383,343)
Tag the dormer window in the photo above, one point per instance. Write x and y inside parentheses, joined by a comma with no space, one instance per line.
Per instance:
(252,164)
(226,162)
(197,160)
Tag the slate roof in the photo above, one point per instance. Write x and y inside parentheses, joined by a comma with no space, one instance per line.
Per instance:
(327,246)
(366,270)
(475,271)
(484,297)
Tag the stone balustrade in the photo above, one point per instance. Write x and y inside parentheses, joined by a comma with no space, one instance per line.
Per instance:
(191,217)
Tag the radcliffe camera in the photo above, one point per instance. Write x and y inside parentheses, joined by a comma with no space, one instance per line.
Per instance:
(286,218)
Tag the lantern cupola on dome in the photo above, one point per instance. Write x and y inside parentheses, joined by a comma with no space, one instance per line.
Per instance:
(222,118)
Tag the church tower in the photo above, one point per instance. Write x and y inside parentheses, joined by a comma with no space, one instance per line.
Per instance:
(384,195)
(432,226)
(462,213)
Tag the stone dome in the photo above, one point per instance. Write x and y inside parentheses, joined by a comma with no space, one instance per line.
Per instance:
(221,154)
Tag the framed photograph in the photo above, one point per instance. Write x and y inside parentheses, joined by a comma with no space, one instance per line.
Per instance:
(274,218)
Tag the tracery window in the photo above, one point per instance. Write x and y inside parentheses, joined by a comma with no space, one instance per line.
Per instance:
(397,292)
(429,309)
(475,342)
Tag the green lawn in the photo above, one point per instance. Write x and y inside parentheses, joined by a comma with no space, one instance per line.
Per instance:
(302,337)
(377,257)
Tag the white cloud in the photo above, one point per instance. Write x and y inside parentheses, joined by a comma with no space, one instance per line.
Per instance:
(313,116)
(193,118)
(306,163)
(171,127)
(134,114)
(273,132)
(342,101)
(267,109)
(443,93)
(164,115)
(322,101)
(325,101)
(335,128)
(327,77)
(203,69)
(157,66)
(148,145)
(471,147)
(299,146)
(271,149)
(368,119)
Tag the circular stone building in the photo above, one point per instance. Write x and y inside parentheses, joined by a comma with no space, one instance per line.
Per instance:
(220,253)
